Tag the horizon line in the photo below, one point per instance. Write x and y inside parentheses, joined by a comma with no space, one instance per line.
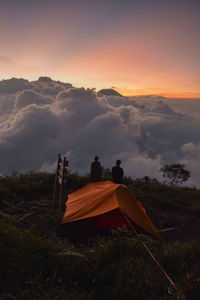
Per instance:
(129,93)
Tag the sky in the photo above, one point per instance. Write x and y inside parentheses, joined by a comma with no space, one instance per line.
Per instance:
(138,47)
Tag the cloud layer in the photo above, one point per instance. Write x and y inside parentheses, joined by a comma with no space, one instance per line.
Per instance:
(42,118)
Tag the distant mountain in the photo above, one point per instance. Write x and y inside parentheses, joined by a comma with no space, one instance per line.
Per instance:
(109,92)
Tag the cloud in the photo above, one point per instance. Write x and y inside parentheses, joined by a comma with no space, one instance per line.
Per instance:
(43,85)
(47,86)
(28,97)
(42,118)
(191,157)
(7,104)
(13,85)
(27,138)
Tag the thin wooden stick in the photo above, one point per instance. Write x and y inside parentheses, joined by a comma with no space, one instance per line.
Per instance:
(56,181)
(63,169)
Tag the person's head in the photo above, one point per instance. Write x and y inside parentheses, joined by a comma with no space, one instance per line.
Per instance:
(118,162)
(96,158)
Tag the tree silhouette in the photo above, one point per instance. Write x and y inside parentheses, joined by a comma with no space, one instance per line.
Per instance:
(175,173)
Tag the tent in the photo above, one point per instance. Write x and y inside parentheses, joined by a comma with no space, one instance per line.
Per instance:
(108,205)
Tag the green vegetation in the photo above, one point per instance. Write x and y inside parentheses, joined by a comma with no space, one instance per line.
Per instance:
(37,262)
(181,200)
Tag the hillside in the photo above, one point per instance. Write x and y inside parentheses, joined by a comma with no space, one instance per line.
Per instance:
(39,259)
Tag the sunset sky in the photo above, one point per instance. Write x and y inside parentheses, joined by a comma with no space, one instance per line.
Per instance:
(137,47)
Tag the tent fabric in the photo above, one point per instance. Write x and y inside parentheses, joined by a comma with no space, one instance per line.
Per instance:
(104,197)
(112,219)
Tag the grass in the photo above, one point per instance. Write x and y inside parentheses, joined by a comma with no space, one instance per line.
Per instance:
(39,263)
(180,199)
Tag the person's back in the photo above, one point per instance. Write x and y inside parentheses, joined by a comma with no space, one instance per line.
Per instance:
(95,171)
(117,172)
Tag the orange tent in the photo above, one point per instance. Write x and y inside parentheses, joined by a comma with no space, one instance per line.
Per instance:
(107,205)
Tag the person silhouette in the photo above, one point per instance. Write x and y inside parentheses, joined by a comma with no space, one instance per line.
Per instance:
(117,172)
(95,170)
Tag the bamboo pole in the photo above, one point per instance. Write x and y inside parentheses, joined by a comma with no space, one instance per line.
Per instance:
(56,181)
(63,170)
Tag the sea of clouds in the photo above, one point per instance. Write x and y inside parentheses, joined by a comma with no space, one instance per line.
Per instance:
(42,118)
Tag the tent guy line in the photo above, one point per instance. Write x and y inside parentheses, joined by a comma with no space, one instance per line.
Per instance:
(151,254)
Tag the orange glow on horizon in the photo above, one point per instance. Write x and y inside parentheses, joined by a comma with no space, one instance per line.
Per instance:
(156,93)
(98,85)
